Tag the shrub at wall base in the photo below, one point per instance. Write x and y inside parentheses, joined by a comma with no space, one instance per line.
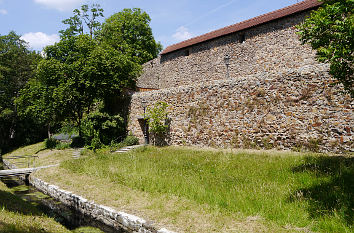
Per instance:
(158,122)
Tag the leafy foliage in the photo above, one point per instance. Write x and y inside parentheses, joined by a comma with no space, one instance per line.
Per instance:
(330,31)
(95,143)
(87,16)
(51,143)
(157,120)
(157,117)
(100,126)
(36,102)
(63,73)
(111,71)
(131,140)
(128,31)
(17,66)
(75,74)
(83,70)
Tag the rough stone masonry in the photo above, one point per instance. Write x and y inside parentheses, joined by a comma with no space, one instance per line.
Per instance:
(293,110)
(277,96)
(270,47)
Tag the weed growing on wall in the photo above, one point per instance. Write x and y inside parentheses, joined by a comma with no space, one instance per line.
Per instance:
(196,115)
(158,122)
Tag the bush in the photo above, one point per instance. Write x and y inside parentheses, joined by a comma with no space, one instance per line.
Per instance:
(158,123)
(131,140)
(96,144)
(103,126)
(157,118)
(51,143)
(114,146)
(62,146)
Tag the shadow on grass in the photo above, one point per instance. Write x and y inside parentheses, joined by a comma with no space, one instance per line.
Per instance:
(12,203)
(333,190)
(14,228)
(40,150)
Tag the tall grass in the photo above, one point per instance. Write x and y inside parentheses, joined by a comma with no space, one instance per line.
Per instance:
(285,189)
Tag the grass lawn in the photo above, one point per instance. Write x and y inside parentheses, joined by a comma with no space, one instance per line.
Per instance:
(194,190)
(17,215)
(45,156)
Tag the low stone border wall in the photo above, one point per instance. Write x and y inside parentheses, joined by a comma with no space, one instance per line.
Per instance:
(116,219)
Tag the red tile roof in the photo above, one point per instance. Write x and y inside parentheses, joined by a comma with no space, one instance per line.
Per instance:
(296,8)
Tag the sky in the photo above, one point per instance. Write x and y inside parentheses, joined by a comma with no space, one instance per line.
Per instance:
(172,21)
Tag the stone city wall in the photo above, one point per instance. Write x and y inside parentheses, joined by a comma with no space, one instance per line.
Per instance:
(296,109)
(270,47)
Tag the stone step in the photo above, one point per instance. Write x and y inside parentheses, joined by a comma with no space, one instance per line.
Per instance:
(127,148)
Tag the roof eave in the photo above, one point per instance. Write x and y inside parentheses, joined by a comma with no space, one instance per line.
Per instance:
(253,22)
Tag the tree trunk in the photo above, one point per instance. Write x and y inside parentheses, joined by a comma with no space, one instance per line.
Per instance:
(48,129)
(79,125)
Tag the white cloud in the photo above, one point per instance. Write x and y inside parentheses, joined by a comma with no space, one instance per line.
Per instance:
(38,40)
(182,33)
(61,5)
(3,12)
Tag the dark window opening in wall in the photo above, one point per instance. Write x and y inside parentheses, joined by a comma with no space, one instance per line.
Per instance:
(187,52)
(242,38)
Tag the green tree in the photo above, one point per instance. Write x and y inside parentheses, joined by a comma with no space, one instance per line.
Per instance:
(82,70)
(76,73)
(17,65)
(64,73)
(330,31)
(87,16)
(111,71)
(129,32)
(37,101)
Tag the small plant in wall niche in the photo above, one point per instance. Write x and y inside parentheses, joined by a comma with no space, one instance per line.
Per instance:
(298,146)
(212,144)
(247,143)
(328,95)
(266,143)
(199,111)
(314,144)
(250,103)
(235,141)
(304,95)
(184,143)
(260,92)
(158,121)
